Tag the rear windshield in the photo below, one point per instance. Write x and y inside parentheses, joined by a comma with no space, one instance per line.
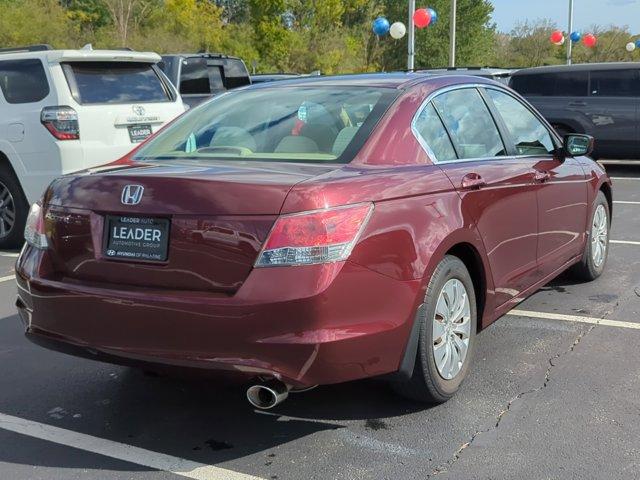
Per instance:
(114,82)
(301,124)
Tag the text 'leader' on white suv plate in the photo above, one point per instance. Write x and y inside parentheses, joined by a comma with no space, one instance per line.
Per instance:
(67,110)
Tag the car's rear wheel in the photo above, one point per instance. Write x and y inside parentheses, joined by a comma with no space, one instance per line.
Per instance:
(596,249)
(447,335)
(13,210)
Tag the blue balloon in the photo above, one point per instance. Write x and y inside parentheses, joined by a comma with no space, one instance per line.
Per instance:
(380,26)
(576,36)
(637,43)
(434,15)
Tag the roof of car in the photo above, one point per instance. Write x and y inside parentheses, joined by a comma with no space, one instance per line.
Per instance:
(54,56)
(577,67)
(397,80)
(475,71)
(200,54)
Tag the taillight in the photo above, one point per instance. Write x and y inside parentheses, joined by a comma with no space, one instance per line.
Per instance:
(319,236)
(34,231)
(62,122)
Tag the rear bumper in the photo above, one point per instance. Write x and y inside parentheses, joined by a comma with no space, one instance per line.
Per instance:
(308,325)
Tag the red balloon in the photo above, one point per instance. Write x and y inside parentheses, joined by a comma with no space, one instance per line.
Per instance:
(590,40)
(421,18)
(556,36)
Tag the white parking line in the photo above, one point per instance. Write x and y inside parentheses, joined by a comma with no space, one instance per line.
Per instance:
(9,254)
(624,242)
(625,202)
(119,451)
(575,318)
(7,279)
(624,178)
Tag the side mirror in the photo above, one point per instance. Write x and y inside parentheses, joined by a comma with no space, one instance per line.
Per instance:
(577,145)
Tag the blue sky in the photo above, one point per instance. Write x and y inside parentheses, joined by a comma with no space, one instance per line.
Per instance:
(587,12)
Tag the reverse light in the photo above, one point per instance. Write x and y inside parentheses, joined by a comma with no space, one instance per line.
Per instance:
(62,122)
(34,231)
(319,236)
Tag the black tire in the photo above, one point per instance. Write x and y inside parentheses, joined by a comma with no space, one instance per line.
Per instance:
(13,236)
(427,384)
(587,269)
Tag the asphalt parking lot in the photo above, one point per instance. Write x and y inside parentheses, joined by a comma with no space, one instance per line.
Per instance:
(554,393)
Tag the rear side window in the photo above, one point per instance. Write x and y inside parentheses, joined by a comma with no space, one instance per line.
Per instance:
(114,82)
(562,84)
(530,136)
(428,126)
(202,76)
(615,83)
(472,129)
(23,81)
(194,78)
(235,73)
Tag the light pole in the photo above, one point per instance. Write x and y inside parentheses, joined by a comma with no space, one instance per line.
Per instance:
(570,42)
(412,39)
(452,35)
(411,48)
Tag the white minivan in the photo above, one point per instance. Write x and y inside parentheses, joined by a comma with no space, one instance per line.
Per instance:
(67,110)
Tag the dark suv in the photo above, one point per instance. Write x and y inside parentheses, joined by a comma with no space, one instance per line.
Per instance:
(600,99)
(199,76)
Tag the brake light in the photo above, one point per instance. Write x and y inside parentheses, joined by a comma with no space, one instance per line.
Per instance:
(34,231)
(320,236)
(62,122)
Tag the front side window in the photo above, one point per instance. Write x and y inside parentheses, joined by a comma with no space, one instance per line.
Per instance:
(615,83)
(428,126)
(23,81)
(114,82)
(571,84)
(472,129)
(530,136)
(305,124)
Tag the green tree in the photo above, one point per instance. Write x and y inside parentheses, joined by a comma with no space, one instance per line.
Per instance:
(272,38)
(25,22)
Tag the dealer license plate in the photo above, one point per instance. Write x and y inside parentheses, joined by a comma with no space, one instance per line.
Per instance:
(136,238)
(139,133)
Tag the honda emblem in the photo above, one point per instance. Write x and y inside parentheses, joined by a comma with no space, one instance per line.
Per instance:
(132,194)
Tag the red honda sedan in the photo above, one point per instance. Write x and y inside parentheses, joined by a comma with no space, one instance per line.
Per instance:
(317,231)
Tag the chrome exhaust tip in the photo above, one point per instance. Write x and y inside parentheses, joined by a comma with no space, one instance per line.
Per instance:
(267,394)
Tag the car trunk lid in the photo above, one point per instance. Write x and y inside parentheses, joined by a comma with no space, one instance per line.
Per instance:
(219,215)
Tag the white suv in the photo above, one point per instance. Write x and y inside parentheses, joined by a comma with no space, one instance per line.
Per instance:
(68,110)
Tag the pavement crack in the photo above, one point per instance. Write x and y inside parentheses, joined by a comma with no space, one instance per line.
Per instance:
(553,361)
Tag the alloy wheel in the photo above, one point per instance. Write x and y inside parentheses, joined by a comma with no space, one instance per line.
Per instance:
(599,234)
(451,328)
(7,211)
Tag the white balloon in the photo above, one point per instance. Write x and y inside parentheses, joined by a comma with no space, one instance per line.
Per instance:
(397,30)
(631,46)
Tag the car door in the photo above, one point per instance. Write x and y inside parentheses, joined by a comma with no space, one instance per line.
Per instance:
(613,110)
(496,190)
(561,188)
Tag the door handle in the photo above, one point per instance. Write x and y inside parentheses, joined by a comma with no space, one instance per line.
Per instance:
(541,176)
(578,104)
(472,181)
